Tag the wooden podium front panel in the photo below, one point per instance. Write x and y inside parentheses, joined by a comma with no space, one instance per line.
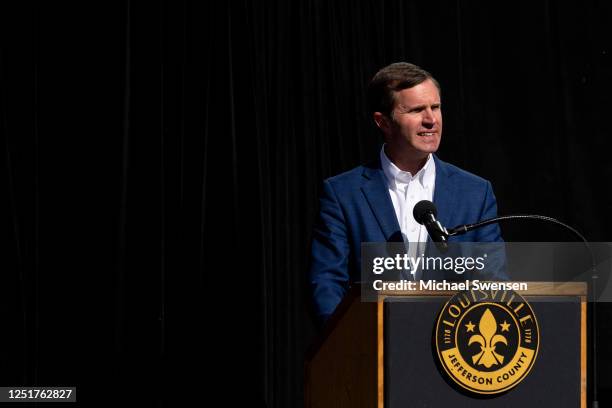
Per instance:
(341,369)
(412,377)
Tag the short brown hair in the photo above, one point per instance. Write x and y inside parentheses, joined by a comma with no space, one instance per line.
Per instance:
(394,78)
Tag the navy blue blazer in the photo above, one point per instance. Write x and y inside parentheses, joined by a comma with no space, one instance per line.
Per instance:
(356,207)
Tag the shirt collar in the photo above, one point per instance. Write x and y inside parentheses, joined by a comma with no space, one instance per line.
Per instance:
(425,176)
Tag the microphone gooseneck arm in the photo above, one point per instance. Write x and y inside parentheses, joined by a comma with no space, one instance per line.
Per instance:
(462,229)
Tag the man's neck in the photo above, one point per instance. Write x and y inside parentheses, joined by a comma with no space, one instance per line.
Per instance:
(406,163)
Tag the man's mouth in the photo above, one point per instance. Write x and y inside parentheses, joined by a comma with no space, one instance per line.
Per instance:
(426,133)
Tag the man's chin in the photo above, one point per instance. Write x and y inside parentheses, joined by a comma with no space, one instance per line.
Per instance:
(427,150)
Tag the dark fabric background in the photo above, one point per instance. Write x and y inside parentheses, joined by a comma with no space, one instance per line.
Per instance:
(163,160)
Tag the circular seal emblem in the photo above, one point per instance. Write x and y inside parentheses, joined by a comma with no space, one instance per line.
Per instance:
(487,341)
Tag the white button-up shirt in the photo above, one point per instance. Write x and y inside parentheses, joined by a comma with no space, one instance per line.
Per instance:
(406,191)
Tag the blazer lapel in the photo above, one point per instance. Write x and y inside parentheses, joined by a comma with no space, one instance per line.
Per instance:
(376,192)
(445,193)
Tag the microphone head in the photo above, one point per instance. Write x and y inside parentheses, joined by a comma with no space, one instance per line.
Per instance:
(421,209)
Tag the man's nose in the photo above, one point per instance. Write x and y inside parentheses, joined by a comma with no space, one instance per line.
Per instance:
(428,117)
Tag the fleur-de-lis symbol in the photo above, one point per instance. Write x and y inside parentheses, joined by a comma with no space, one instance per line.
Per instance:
(487,340)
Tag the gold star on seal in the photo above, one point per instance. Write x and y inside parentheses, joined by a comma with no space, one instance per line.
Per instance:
(505,326)
(470,326)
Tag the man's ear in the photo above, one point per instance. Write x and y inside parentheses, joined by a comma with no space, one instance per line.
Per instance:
(382,121)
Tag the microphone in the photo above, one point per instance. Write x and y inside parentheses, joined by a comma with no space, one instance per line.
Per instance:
(425,213)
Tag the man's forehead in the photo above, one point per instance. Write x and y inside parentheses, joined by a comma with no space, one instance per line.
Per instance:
(417,96)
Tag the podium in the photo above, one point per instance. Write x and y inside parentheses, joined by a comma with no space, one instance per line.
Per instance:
(383,353)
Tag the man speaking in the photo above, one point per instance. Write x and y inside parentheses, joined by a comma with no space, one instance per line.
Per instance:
(374,203)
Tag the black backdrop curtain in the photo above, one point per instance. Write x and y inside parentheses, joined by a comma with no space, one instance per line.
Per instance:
(163,161)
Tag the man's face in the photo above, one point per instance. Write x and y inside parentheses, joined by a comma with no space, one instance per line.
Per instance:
(415,126)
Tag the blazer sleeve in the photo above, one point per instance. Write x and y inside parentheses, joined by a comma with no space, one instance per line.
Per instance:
(329,276)
(496,264)
(490,233)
